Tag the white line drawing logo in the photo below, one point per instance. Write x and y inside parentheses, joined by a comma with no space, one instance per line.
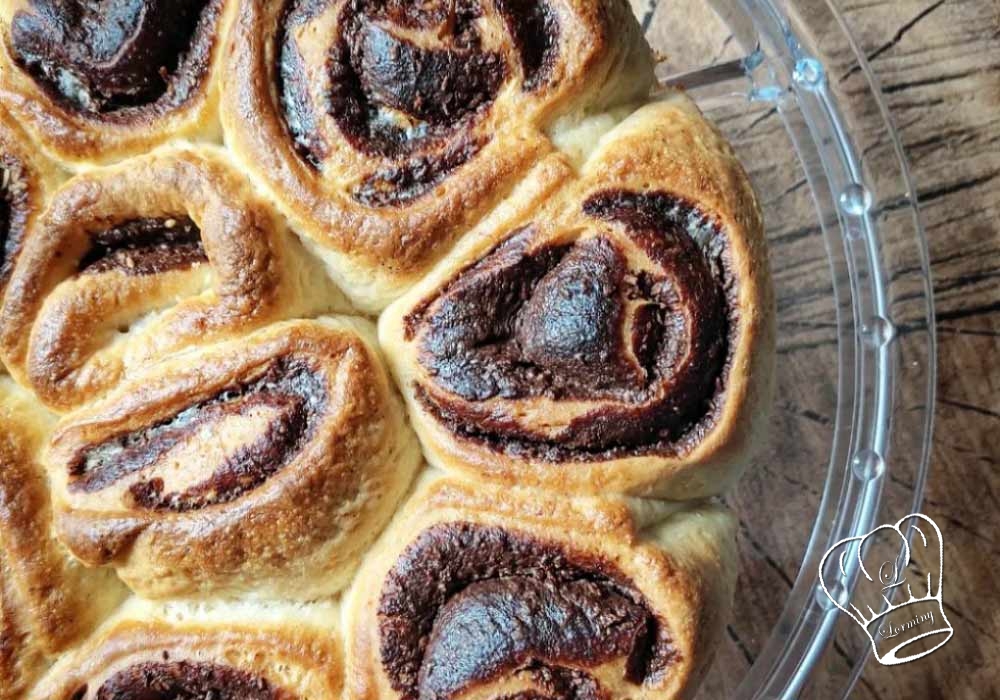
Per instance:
(897,601)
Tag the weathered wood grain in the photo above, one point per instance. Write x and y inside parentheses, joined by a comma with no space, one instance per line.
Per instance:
(938,62)
(939,65)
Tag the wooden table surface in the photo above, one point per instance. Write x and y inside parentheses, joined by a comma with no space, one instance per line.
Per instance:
(938,62)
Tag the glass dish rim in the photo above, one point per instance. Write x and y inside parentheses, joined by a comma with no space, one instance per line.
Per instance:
(783,69)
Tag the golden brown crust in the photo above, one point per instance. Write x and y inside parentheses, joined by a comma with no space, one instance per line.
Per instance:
(71,336)
(47,601)
(28,178)
(77,138)
(377,251)
(291,650)
(223,460)
(678,560)
(312,397)
(666,147)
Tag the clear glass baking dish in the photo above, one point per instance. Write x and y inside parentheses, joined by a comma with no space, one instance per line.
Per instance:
(851,428)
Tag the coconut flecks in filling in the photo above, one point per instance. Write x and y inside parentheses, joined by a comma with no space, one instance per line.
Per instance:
(185,680)
(535,31)
(466,605)
(288,392)
(406,80)
(102,57)
(145,247)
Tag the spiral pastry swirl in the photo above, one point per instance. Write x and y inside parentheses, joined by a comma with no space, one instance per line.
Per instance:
(97,82)
(612,333)
(264,464)
(222,651)
(480,592)
(387,128)
(47,601)
(136,261)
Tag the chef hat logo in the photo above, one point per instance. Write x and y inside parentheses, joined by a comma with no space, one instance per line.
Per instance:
(897,599)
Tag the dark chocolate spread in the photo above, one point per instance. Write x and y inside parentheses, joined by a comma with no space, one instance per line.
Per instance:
(416,176)
(6,214)
(185,680)
(288,388)
(107,55)
(438,87)
(468,604)
(535,31)
(405,81)
(572,321)
(145,247)
(14,195)
(559,684)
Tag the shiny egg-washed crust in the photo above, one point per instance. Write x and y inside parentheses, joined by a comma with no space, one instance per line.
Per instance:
(47,600)
(77,139)
(292,650)
(300,528)
(666,147)
(681,560)
(72,336)
(376,252)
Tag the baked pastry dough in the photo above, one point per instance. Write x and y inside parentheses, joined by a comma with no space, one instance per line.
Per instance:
(385,129)
(135,261)
(26,179)
(265,464)
(581,322)
(47,601)
(95,83)
(483,592)
(607,332)
(262,651)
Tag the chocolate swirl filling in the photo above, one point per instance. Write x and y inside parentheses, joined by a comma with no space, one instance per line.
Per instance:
(415,177)
(14,194)
(287,392)
(103,57)
(466,605)
(146,246)
(535,31)
(574,322)
(406,80)
(184,680)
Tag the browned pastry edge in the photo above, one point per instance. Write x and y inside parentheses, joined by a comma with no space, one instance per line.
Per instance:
(76,138)
(61,324)
(292,530)
(762,329)
(47,601)
(666,147)
(262,651)
(677,561)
